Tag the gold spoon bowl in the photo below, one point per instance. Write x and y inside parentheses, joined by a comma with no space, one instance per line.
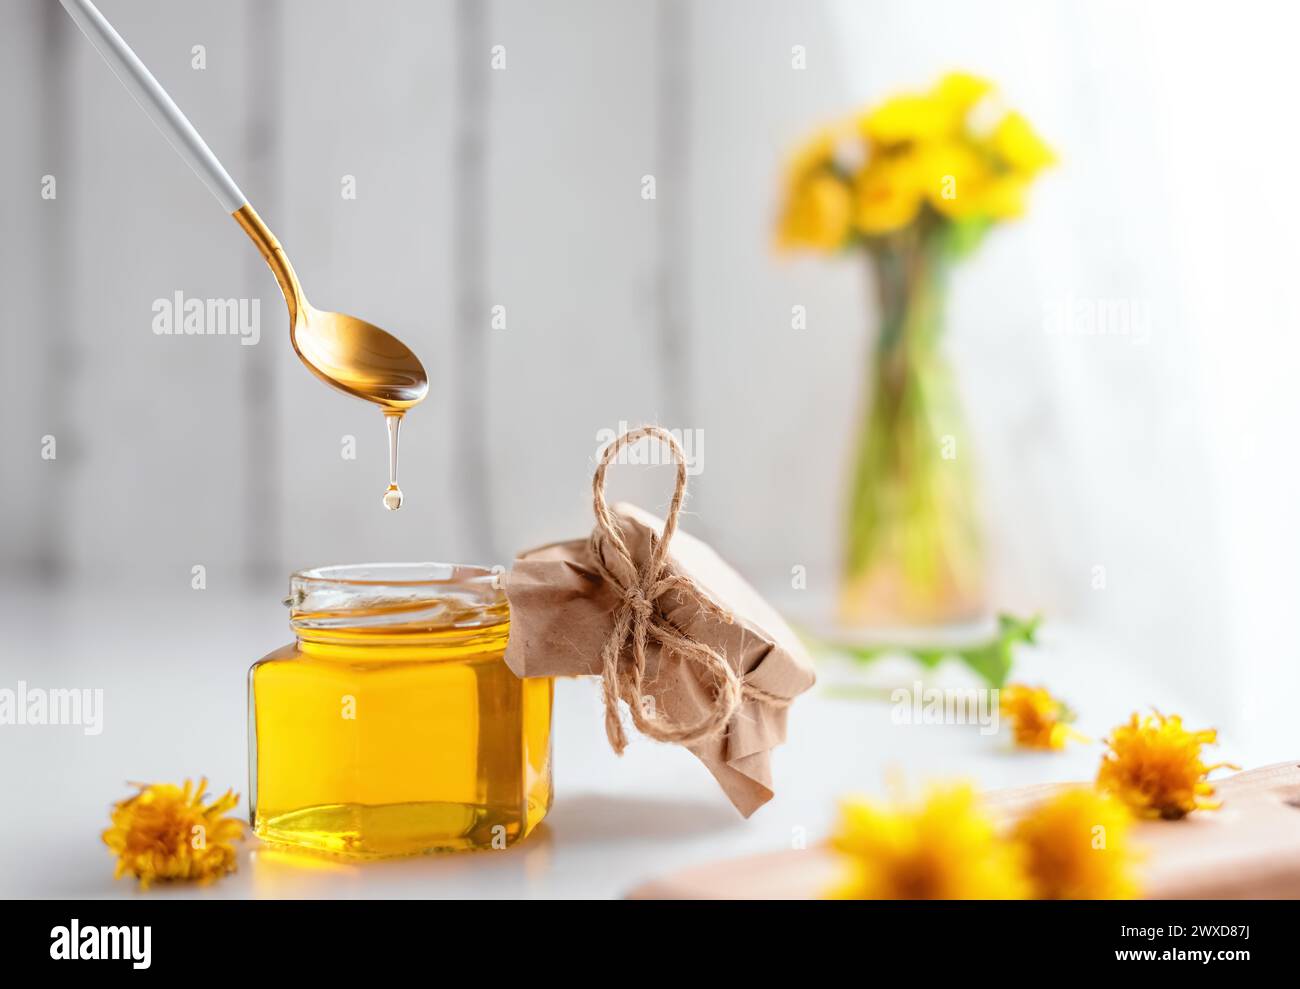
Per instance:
(347,353)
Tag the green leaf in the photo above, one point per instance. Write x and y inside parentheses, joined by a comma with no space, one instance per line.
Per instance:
(991,658)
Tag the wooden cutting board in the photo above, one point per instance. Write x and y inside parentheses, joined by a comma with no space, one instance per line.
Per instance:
(1248,849)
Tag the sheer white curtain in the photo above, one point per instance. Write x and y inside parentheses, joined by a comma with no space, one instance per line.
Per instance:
(1165,454)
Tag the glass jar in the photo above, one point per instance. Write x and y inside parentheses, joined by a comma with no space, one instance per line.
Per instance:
(392,725)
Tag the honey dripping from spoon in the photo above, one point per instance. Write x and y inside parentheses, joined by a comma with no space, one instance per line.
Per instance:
(347,353)
(393,496)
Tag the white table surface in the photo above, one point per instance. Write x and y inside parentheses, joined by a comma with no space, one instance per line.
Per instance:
(173,672)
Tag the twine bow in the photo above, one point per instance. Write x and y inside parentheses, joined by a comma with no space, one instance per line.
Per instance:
(638,619)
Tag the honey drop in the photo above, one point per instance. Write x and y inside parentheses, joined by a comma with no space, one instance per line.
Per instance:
(393,496)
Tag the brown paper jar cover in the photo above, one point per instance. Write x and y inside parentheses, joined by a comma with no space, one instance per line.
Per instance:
(562,611)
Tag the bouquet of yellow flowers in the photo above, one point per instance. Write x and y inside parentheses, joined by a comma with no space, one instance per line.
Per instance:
(946,158)
(915,182)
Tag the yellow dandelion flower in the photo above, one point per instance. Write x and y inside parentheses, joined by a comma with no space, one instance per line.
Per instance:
(961,90)
(818,202)
(945,848)
(1020,147)
(167,832)
(1077,847)
(960,179)
(909,118)
(814,155)
(955,178)
(888,194)
(914,118)
(1038,720)
(1154,765)
(817,215)
(1004,197)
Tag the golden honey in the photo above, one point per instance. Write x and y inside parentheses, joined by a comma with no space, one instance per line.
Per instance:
(392,725)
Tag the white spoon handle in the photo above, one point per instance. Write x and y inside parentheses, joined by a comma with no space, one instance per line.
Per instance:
(165,114)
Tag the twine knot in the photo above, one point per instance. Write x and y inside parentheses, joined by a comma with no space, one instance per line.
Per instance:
(635,599)
(638,620)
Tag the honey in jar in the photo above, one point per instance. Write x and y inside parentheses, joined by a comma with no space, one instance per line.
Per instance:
(392,725)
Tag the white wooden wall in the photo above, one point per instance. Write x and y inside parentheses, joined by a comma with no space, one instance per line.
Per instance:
(475,188)
(522,188)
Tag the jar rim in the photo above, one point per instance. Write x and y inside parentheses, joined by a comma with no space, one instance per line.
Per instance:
(401,598)
(398,574)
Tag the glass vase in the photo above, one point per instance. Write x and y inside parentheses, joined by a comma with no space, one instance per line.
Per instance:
(913,553)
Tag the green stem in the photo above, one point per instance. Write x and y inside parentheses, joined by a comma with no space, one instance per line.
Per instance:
(911,511)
